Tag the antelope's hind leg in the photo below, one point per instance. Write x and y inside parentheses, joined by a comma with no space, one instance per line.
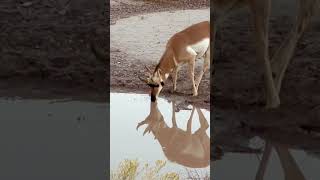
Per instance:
(191,74)
(206,65)
(174,79)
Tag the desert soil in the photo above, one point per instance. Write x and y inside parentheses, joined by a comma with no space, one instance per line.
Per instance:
(45,49)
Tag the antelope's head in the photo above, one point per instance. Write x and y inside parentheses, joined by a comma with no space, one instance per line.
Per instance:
(156,82)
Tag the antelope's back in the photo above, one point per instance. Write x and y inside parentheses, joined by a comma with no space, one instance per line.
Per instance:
(197,32)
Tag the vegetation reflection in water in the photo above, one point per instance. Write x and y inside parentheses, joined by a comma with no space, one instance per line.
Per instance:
(131,170)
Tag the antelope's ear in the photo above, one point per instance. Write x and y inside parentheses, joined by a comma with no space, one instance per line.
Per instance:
(159,73)
(148,70)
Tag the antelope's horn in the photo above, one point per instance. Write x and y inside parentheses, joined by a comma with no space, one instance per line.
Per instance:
(140,124)
(148,69)
(143,80)
(147,130)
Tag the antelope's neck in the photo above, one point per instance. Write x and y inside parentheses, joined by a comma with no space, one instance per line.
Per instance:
(164,135)
(167,63)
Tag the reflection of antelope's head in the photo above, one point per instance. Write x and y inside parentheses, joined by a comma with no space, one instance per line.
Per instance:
(155,80)
(180,146)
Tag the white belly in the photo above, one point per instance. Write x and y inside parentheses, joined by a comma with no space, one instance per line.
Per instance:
(198,49)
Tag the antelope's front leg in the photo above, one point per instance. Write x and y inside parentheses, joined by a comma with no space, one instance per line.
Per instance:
(174,78)
(206,65)
(261,13)
(191,69)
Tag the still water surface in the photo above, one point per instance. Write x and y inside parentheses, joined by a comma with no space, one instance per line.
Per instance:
(43,139)
(162,142)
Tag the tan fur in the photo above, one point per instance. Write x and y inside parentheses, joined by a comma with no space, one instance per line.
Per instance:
(180,146)
(176,54)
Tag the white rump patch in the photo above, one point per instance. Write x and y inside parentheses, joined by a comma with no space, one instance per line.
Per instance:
(198,49)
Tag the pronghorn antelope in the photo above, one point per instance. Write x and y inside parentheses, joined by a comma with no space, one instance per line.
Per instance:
(182,147)
(274,70)
(183,47)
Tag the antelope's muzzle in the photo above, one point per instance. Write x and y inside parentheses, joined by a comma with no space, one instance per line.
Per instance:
(153,98)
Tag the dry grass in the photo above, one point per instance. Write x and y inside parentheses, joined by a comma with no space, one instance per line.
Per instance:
(132,170)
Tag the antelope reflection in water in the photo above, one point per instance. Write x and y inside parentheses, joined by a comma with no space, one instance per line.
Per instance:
(289,166)
(179,146)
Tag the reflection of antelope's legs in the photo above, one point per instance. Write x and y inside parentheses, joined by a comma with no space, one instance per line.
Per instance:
(203,121)
(174,122)
(264,162)
(190,121)
(290,168)
(201,132)
(289,165)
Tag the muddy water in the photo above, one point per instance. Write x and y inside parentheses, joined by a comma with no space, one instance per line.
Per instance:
(44,139)
(144,37)
(161,142)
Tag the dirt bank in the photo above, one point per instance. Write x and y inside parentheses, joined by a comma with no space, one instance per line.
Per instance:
(46,45)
